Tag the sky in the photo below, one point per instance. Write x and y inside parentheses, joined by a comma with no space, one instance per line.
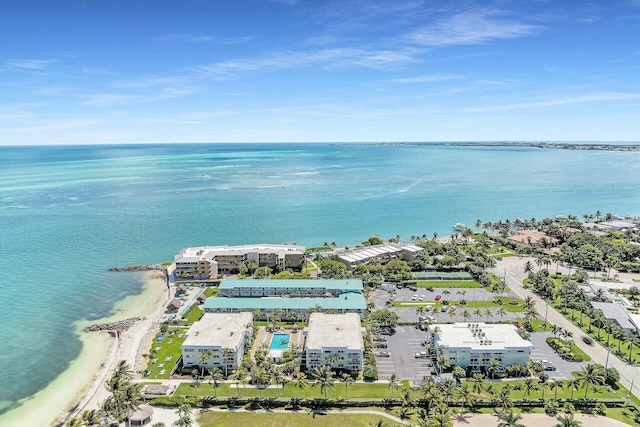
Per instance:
(101,72)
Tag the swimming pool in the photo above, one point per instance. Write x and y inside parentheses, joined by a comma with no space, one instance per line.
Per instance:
(279,342)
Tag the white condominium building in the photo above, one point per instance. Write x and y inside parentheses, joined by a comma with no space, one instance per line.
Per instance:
(335,340)
(217,340)
(206,262)
(476,344)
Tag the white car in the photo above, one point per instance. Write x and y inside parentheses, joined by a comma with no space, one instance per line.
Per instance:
(415,297)
(421,298)
(421,355)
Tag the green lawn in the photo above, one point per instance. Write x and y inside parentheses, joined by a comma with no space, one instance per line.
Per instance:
(470,305)
(170,346)
(212,291)
(344,419)
(602,392)
(194,314)
(357,390)
(447,284)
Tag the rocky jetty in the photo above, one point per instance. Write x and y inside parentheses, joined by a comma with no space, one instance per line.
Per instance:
(119,326)
(145,267)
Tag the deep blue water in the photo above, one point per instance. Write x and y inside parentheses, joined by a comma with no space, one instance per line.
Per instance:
(69,213)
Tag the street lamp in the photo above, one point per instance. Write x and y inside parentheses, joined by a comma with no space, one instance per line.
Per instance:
(546,311)
(606,363)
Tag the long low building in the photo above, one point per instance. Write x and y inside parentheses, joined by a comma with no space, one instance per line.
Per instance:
(382,253)
(335,340)
(476,344)
(204,263)
(351,302)
(217,340)
(293,288)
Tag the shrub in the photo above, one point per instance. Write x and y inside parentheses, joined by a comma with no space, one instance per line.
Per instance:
(600,408)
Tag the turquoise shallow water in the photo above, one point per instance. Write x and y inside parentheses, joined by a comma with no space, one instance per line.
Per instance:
(69,213)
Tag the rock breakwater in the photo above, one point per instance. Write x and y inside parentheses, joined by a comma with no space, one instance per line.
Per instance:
(144,267)
(121,325)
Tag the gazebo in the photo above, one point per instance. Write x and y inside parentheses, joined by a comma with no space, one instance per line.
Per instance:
(142,416)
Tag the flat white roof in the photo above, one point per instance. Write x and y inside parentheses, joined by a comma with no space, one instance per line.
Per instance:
(240,250)
(224,330)
(478,337)
(327,331)
(367,252)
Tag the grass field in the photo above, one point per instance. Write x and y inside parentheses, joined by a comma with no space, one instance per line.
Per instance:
(168,347)
(344,419)
(447,284)
(358,390)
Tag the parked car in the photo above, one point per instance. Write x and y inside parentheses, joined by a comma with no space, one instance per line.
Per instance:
(587,340)
(415,297)
(381,345)
(421,355)
(379,338)
(383,354)
(421,298)
(513,302)
(413,288)
(438,297)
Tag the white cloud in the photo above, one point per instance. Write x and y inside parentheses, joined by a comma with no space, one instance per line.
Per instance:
(471,27)
(30,64)
(425,79)
(580,99)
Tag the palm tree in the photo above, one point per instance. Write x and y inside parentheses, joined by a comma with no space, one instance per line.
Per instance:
(574,385)
(555,385)
(510,419)
(591,375)
(91,418)
(184,413)
(216,379)
(131,399)
(240,376)
(280,379)
(529,385)
(464,397)
(633,339)
(301,383)
(203,359)
(260,377)
(347,380)
(478,312)
(494,366)
(478,384)
(488,313)
(501,312)
(393,383)
(324,378)
(528,268)
(466,315)
(505,398)
(567,421)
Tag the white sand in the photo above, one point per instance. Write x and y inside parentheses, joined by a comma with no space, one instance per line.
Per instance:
(81,384)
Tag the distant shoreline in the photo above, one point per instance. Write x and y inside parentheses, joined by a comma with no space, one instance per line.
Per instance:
(595,146)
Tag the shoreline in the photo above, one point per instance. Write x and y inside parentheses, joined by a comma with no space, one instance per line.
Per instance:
(80,386)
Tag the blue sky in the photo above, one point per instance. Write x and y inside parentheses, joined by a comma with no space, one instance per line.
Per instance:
(78,72)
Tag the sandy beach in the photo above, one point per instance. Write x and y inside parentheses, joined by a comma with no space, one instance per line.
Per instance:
(80,386)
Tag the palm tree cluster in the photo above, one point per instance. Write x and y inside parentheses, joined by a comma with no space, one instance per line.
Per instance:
(125,399)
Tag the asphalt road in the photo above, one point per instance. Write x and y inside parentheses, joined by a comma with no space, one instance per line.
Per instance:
(514,269)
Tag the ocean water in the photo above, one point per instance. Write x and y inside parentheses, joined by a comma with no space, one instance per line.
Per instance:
(67,214)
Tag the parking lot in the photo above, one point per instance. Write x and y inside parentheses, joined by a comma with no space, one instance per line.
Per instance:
(542,351)
(409,315)
(408,340)
(403,345)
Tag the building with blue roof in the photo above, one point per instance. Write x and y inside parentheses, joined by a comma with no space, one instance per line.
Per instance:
(292,288)
(348,302)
